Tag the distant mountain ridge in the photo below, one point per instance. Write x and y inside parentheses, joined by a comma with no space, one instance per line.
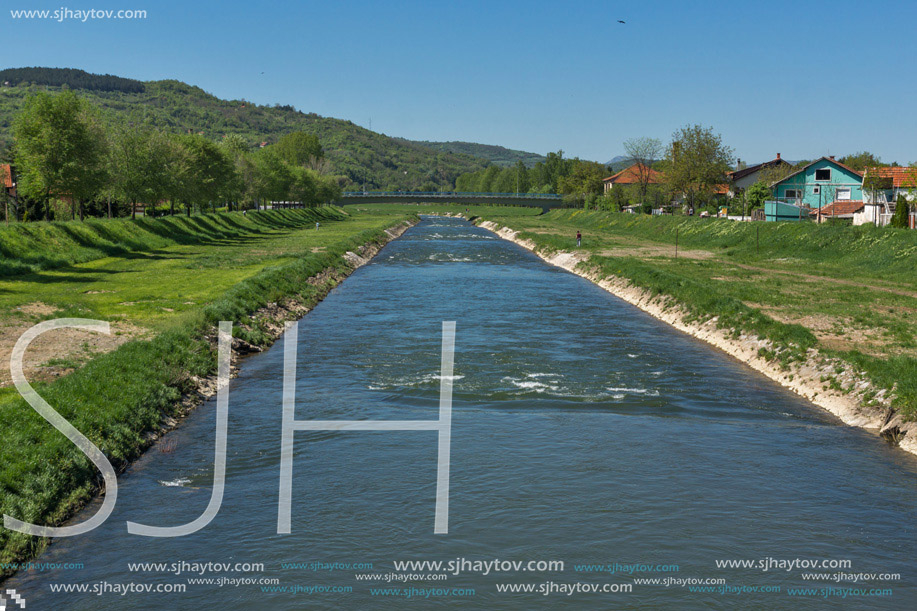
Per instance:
(497,155)
(619,162)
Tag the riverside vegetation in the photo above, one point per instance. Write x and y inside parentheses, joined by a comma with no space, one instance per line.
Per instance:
(164,284)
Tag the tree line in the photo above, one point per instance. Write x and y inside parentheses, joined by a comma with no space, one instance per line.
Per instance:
(69,163)
(70,77)
(572,177)
(692,165)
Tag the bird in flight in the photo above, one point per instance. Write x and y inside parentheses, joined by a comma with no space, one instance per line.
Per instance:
(619,21)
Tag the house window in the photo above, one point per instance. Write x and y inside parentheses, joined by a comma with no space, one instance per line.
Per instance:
(823,174)
(793,194)
(816,190)
(843,194)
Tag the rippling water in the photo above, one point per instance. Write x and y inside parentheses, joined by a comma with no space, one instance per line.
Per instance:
(583,431)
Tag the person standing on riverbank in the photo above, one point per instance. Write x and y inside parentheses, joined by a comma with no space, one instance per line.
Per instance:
(579,239)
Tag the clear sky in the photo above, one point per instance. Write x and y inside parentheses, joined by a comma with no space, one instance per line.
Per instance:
(802,79)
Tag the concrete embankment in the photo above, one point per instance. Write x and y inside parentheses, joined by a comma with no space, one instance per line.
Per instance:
(846,398)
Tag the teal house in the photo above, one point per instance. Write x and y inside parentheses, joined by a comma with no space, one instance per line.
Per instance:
(820,183)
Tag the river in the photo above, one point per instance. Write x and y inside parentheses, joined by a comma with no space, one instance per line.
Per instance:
(584,431)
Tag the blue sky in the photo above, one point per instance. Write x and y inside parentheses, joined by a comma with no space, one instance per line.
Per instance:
(803,80)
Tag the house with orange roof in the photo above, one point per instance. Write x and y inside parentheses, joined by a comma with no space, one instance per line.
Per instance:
(891,182)
(632,175)
(881,189)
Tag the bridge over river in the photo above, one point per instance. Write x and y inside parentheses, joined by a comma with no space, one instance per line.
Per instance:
(545,201)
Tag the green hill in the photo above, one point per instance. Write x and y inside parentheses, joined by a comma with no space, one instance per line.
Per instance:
(363,156)
(497,155)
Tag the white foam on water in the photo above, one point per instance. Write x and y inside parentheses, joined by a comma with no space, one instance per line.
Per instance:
(447,258)
(180,482)
(632,391)
(532,385)
(426,379)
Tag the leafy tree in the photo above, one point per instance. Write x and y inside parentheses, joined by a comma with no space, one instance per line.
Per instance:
(305,186)
(555,168)
(329,189)
(756,195)
(235,144)
(862,160)
(59,149)
(247,170)
(299,148)
(138,166)
(644,152)
(585,178)
(521,177)
(204,170)
(697,161)
(273,178)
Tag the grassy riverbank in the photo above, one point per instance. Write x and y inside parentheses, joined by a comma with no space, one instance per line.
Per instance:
(850,292)
(165,284)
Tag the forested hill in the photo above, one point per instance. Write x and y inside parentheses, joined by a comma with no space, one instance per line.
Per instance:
(497,155)
(365,157)
(73,78)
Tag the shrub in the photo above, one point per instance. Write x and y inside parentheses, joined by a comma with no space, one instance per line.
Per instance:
(902,211)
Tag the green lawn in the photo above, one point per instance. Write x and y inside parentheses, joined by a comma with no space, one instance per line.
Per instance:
(153,288)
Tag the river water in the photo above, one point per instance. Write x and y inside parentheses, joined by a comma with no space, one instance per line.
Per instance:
(584,431)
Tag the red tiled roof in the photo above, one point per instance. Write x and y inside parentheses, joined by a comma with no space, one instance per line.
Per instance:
(721,189)
(839,208)
(631,175)
(901,177)
(6,175)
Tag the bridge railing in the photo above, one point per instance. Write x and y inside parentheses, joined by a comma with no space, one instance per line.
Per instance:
(451,194)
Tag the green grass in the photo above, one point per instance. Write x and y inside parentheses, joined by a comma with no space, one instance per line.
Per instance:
(831,248)
(33,247)
(115,398)
(849,291)
(162,276)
